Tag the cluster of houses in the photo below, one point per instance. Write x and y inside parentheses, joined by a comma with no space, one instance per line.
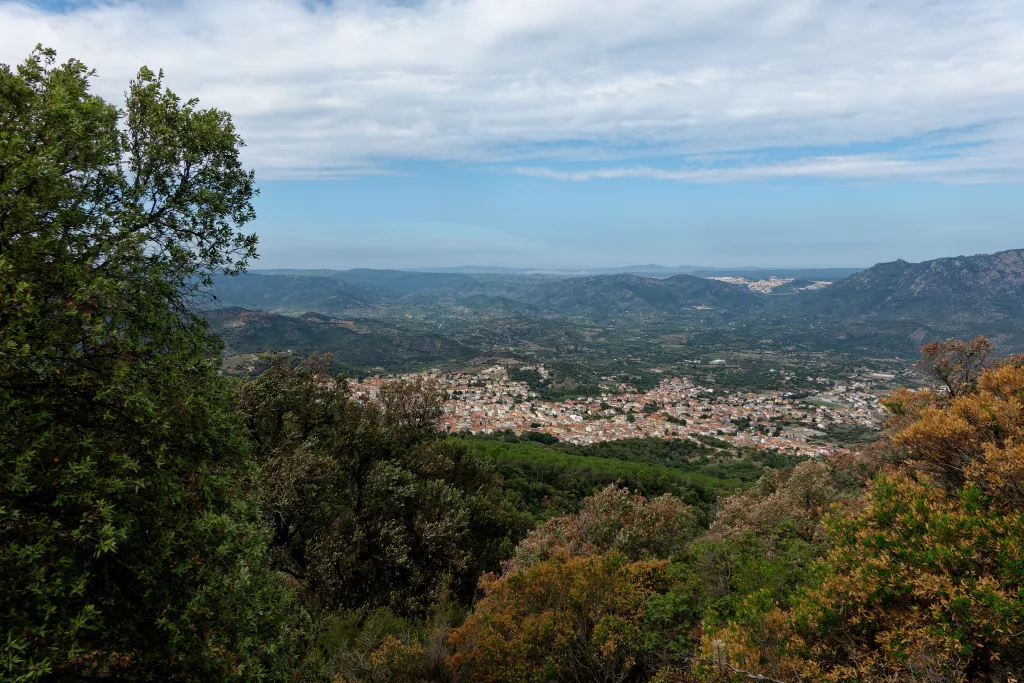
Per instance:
(487,401)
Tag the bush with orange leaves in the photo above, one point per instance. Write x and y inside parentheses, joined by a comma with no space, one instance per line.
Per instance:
(975,438)
(926,581)
(919,586)
(612,519)
(567,619)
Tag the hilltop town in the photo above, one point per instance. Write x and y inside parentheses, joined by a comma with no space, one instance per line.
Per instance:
(770,284)
(487,401)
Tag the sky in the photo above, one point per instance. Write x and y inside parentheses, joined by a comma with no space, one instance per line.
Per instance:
(591,133)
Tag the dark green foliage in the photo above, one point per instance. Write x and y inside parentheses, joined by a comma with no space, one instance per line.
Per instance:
(371,506)
(678,453)
(746,470)
(715,576)
(531,377)
(362,344)
(553,479)
(742,423)
(126,549)
(774,460)
(712,441)
(562,383)
(539,437)
(379,646)
(543,492)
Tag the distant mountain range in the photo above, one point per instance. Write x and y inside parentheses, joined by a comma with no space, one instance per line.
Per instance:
(890,306)
(607,298)
(649,270)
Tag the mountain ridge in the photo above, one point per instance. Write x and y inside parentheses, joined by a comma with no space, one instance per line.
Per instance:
(891,305)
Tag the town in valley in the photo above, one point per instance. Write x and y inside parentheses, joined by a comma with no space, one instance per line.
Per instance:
(488,402)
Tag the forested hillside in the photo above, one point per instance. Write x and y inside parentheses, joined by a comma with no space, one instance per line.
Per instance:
(160,521)
(361,343)
(292,293)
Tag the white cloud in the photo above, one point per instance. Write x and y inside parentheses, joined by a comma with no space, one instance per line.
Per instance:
(358,86)
(988,165)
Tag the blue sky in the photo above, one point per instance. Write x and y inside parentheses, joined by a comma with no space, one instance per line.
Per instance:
(454,216)
(572,133)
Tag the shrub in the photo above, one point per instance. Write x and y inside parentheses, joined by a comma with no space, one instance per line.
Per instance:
(613,519)
(918,584)
(564,619)
(974,438)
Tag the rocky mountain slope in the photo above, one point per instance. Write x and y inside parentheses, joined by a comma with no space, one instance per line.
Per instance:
(957,296)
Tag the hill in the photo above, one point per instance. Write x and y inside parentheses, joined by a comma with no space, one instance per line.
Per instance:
(355,344)
(291,293)
(908,303)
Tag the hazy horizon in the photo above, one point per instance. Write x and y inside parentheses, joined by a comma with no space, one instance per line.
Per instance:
(259,265)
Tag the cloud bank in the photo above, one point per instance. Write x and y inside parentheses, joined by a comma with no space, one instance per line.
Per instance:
(694,90)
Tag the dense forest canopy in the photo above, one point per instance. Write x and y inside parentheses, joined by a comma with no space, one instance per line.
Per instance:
(162,522)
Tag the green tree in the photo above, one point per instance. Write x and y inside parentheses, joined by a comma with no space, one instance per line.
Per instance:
(126,550)
(371,505)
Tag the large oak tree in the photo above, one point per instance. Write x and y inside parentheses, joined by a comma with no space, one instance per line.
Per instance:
(126,551)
